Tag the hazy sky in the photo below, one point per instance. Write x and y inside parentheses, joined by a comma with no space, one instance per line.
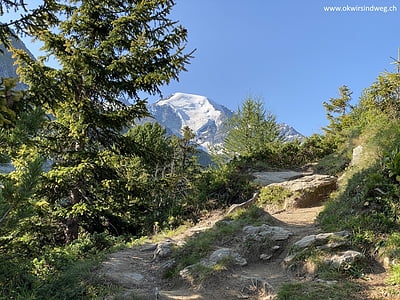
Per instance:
(291,53)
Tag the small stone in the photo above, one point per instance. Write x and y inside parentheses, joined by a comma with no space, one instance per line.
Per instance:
(265,257)
(185,273)
(275,248)
(328,282)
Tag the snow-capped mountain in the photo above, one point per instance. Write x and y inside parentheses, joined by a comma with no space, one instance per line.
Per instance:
(204,116)
(289,134)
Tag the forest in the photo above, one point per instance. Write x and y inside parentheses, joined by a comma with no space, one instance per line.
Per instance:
(89,179)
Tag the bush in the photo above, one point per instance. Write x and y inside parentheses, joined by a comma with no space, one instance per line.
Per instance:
(221,187)
(273,196)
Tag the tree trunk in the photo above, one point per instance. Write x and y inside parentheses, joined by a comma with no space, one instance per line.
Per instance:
(71,223)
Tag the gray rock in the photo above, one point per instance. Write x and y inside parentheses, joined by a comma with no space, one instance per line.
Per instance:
(328,282)
(288,260)
(163,250)
(126,279)
(216,257)
(265,256)
(346,258)
(6,168)
(306,241)
(259,233)
(357,155)
(150,247)
(186,272)
(266,178)
(308,190)
(324,240)
(222,254)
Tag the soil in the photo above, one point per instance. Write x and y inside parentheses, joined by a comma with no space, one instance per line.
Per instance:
(141,277)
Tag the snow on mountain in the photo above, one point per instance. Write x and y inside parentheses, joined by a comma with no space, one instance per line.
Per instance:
(289,134)
(204,116)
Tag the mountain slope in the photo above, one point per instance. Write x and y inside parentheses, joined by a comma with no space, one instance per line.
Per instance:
(7,67)
(204,116)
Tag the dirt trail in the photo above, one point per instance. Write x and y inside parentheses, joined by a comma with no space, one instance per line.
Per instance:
(138,274)
(301,222)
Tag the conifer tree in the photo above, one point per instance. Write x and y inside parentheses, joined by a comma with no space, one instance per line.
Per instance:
(108,51)
(337,108)
(28,20)
(250,129)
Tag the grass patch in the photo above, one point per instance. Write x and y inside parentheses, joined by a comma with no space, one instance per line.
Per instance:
(312,291)
(333,164)
(394,277)
(368,200)
(77,281)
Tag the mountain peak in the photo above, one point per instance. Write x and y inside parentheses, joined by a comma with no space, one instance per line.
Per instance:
(204,116)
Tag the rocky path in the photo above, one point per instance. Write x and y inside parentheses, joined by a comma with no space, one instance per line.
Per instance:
(137,273)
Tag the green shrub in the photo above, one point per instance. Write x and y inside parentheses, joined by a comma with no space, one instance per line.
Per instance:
(333,164)
(273,195)
(220,187)
(394,277)
(392,164)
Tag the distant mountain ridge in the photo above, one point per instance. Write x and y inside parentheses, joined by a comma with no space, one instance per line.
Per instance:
(7,66)
(204,116)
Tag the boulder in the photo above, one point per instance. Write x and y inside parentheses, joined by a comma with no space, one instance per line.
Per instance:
(344,259)
(357,154)
(308,191)
(266,178)
(324,240)
(163,250)
(260,233)
(224,253)
(216,257)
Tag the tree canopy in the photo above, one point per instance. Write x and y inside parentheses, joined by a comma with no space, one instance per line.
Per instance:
(250,129)
(109,52)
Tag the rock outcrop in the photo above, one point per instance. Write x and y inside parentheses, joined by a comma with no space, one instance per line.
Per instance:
(259,233)
(330,243)
(308,191)
(266,178)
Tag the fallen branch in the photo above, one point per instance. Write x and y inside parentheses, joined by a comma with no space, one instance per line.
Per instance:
(244,204)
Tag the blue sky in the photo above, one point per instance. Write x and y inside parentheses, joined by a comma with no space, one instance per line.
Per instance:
(291,53)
